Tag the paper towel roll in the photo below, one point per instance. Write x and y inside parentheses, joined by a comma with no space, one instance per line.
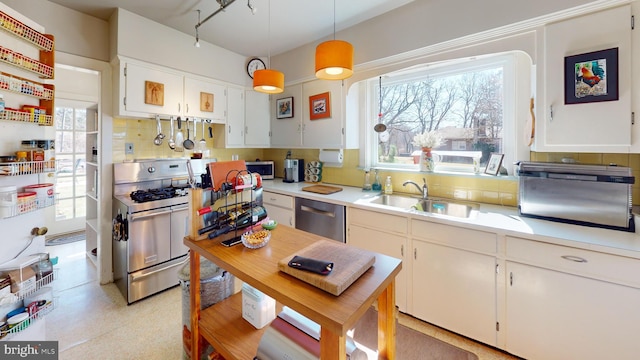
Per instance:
(331,158)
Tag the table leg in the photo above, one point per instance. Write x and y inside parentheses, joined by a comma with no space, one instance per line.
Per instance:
(387,323)
(332,346)
(194,301)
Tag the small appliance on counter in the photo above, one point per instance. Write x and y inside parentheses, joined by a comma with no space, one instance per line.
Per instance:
(265,168)
(293,170)
(591,195)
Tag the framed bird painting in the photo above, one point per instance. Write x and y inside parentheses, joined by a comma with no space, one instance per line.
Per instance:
(591,77)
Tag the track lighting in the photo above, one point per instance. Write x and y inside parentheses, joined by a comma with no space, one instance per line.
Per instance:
(197,43)
(252,7)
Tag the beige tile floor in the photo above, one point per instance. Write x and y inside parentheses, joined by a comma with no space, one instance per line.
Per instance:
(94,322)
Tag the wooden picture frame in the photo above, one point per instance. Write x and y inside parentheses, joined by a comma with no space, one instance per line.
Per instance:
(591,77)
(494,164)
(153,93)
(206,102)
(284,108)
(319,106)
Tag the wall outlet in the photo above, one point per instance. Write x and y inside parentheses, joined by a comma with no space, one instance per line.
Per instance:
(128,148)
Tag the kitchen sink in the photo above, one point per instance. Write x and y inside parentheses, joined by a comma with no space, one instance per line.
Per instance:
(431,205)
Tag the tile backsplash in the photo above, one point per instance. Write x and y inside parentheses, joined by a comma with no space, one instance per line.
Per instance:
(501,190)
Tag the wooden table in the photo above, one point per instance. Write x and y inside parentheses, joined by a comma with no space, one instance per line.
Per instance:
(224,328)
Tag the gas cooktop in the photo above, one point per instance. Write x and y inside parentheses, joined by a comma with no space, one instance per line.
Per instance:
(141,196)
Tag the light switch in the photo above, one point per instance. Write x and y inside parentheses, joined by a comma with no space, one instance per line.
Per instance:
(128,148)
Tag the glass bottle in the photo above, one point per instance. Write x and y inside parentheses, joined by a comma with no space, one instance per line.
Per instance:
(377,186)
(367,181)
(388,187)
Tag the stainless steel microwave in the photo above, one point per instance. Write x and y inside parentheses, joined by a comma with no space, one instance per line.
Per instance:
(266,168)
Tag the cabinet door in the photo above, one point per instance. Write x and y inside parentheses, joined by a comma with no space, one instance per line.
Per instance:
(281,215)
(455,289)
(287,132)
(554,315)
(146,100)
(205,99)
(235,117)
(325,133)
(603,126)
(387,244)
(256,119)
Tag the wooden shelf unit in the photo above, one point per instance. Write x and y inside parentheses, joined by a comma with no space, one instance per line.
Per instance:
(222,324)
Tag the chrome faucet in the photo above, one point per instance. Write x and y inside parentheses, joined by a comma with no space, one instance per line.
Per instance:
(424,189)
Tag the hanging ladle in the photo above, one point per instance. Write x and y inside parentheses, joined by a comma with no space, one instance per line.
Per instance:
(380,127)
(160,136)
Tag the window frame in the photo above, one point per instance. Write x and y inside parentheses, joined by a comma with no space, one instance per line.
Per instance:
(513,93)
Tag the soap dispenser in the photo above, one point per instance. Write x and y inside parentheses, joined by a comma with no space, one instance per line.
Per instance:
(377,186)
(367,181)
(388,187)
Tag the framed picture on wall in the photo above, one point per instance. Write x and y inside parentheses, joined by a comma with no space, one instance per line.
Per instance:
(493,165)
(591,77)
(284,108)
(319,106)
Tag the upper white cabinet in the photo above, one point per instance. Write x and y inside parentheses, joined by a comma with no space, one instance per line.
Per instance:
(205,99)
(603,126)
(247,119)
(146,90)
(256,119)
(300,131)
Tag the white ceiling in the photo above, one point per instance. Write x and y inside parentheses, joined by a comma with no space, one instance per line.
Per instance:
(292,22)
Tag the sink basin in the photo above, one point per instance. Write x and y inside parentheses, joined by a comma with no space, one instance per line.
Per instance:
(404,202)
(432,206)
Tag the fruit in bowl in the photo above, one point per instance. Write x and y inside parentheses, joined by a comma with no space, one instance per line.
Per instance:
(256,239)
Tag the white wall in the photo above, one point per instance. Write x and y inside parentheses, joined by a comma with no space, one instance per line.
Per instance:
(75,33)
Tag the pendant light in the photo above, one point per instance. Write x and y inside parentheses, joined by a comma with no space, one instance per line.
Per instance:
(334,58)
(268,81)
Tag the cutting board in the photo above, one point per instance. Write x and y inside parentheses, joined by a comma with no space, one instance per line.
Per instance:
(349,263)
(221,170)
(322,189)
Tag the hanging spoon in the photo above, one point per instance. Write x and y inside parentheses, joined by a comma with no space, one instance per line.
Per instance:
(171,142)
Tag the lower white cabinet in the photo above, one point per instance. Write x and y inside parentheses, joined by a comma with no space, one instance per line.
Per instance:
(451,285)
(559,307)
(385,234)
(279,208)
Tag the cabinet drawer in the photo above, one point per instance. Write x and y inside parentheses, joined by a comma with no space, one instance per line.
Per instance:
(589,263)
(376,220)
(462,238)
(283,201)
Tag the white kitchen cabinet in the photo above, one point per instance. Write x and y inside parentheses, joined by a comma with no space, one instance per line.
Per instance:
(385,234)
(256,119)
(279,208)
(454,280)
(325,133)
(234,133)
(165,100)
(566,303)
(603,126)
(247,119)
(197,94)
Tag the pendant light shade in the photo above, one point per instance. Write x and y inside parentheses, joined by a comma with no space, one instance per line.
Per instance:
(334,60)
(268,81)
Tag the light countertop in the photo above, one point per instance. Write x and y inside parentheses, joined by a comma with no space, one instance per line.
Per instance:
(503,220)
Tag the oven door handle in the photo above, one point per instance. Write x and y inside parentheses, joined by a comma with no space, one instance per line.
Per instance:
(147,214)
(138,277)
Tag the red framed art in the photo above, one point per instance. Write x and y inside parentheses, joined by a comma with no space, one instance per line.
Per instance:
(319,106)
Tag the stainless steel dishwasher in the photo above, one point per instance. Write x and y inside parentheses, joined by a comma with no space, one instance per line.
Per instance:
(320,218)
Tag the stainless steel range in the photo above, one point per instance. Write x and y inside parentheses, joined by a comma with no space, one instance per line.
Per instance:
(150,220)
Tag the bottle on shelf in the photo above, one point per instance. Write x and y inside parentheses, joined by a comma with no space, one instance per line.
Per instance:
(388,188)
(376,186)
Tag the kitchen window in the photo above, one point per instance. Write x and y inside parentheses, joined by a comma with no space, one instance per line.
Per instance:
(470,102)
